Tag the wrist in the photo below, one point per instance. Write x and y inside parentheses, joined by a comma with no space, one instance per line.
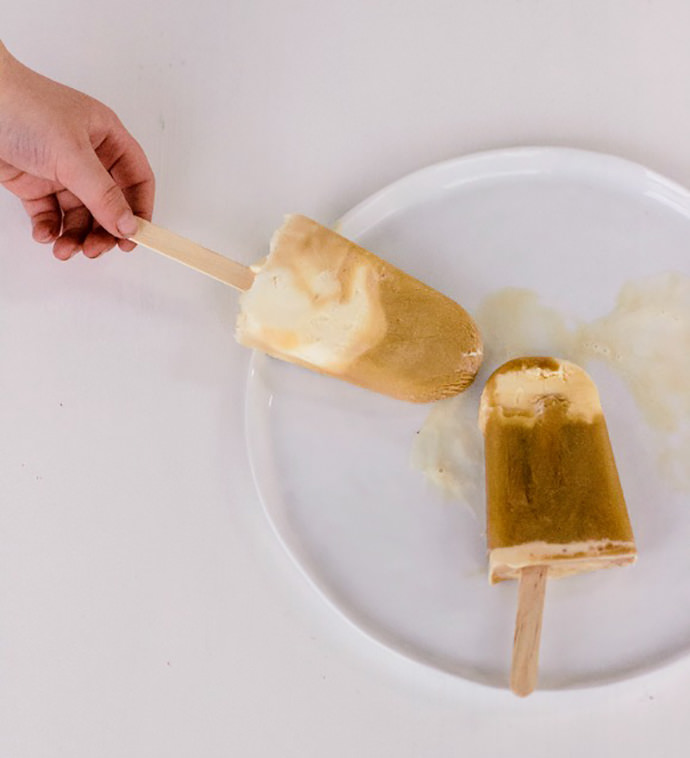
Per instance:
(6,64)
(4,59)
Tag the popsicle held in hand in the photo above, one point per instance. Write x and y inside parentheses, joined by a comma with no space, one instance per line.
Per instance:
(323,302)
(555,505)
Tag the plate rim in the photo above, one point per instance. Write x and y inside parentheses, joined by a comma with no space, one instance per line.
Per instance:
(606,164)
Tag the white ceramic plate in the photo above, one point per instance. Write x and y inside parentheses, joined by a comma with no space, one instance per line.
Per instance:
(332,462)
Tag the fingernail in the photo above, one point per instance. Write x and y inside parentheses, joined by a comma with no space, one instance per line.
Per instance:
(126,246)
(64,255)
(127,224)
(43,233)
(64,250)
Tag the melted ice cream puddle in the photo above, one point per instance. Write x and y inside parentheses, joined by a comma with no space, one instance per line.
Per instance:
(645,339)
(514,322)
(449,449)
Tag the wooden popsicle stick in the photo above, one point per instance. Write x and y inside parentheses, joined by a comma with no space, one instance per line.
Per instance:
(525,666)
(195,256)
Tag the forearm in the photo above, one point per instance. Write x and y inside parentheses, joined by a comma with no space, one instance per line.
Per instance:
(7,62)
(8,98)
(10,74)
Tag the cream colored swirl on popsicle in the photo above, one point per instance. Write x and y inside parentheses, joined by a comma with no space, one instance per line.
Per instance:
(521,393)
(299,309)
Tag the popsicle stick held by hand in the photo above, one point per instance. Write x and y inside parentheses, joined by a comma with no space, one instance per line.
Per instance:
(525,667)
(195,256)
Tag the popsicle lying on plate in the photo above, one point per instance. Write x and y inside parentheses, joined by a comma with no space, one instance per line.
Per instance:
(555,505)
(323,302)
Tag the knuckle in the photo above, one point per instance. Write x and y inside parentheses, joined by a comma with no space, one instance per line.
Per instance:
(112,194)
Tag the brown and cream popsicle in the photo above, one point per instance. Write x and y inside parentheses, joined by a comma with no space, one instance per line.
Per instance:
(555,505)
(323,302)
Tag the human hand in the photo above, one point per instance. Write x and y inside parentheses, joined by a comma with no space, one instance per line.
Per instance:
(79,173)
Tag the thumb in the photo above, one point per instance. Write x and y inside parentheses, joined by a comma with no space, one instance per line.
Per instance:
(86,177)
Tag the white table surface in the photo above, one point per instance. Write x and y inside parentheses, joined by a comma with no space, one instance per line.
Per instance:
(146,607)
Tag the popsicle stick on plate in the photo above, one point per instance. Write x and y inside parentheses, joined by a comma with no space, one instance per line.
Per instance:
(525,666)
